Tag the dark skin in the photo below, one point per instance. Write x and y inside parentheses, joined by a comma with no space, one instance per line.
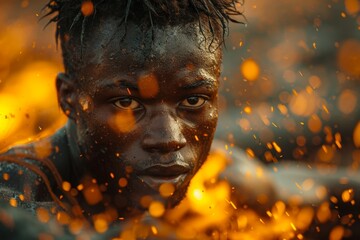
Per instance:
(170,131)
(122,127)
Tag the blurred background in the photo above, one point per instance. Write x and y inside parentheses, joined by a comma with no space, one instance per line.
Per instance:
(289,90)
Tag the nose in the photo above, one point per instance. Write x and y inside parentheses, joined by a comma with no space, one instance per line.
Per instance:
(163,134)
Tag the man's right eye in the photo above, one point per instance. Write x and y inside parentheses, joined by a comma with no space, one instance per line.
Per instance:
(127,103)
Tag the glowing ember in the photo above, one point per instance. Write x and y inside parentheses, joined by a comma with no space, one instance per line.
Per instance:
(347,195)
(6,176)
(349,57)
(100,224)
(347,101)
(166,189)
(148,86)
(92,194)
(288,93)
(123,182)
(337,233)
(356,135)
(87,8)
(63,218)
(156,209)
(352,6)
(42,215)
(250,70)
(13,202)
(66,186)
(124,121)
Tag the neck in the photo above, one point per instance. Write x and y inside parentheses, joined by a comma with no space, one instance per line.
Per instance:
(78,160)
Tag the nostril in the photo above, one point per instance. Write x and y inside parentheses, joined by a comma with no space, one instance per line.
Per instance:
(161,145)
(164,133)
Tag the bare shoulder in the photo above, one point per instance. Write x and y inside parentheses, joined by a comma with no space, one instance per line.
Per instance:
(251,184)
(23,177)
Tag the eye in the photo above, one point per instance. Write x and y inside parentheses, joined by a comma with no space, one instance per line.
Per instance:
(127,103)
(193,102)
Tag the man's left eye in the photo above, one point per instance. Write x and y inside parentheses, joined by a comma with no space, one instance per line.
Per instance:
(193,102)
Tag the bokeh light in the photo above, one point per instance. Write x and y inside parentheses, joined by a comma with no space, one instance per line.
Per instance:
(289,91)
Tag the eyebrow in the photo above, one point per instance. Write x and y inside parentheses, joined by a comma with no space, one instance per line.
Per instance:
(121,83)
(199,83)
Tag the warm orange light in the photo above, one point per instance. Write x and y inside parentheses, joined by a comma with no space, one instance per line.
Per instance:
(42,215)
(326,153)
(356,135)
(44,149)
(244,124)
(148,86)
(315,82)
(304,103)
(63,218)
(352,6)
(166,189)
(250,70)
(247,110)
(349,57)
(92,194)
(347,195)
(123,182)
(323,213)
(337,233)
(6,176)
(156,209)
(87,8)
(314,123)
(100,224)
(124,121)
(347,100)
(13,202)
(66,186)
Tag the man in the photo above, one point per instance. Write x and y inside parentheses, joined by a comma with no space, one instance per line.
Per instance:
(140,91)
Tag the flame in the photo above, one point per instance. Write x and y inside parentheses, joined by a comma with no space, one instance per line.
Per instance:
(27,101)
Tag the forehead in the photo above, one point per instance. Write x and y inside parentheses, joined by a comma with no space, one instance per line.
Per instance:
(115,48)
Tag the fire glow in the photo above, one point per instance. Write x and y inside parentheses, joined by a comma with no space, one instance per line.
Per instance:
(28,111)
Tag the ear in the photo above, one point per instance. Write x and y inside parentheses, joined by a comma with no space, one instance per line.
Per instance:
(66,93)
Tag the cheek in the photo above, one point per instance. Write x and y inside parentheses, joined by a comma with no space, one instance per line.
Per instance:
(100,127)
(205,122)
(202,134)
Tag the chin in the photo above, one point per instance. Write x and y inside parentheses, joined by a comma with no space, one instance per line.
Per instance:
(177,197)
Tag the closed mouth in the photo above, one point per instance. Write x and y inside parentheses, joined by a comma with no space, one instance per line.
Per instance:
(157,175)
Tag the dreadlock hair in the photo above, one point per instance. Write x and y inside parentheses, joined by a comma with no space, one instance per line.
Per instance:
(72,21)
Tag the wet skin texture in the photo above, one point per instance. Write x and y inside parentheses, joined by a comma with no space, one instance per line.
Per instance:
(143,108)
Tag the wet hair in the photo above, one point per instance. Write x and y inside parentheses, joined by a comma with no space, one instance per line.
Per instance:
(72,22)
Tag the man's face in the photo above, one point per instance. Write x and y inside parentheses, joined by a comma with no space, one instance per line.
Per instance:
(146,109)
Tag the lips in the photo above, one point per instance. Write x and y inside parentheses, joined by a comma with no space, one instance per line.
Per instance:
(157,175)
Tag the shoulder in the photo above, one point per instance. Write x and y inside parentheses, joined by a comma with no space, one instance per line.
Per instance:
(25,175)
(251,184)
